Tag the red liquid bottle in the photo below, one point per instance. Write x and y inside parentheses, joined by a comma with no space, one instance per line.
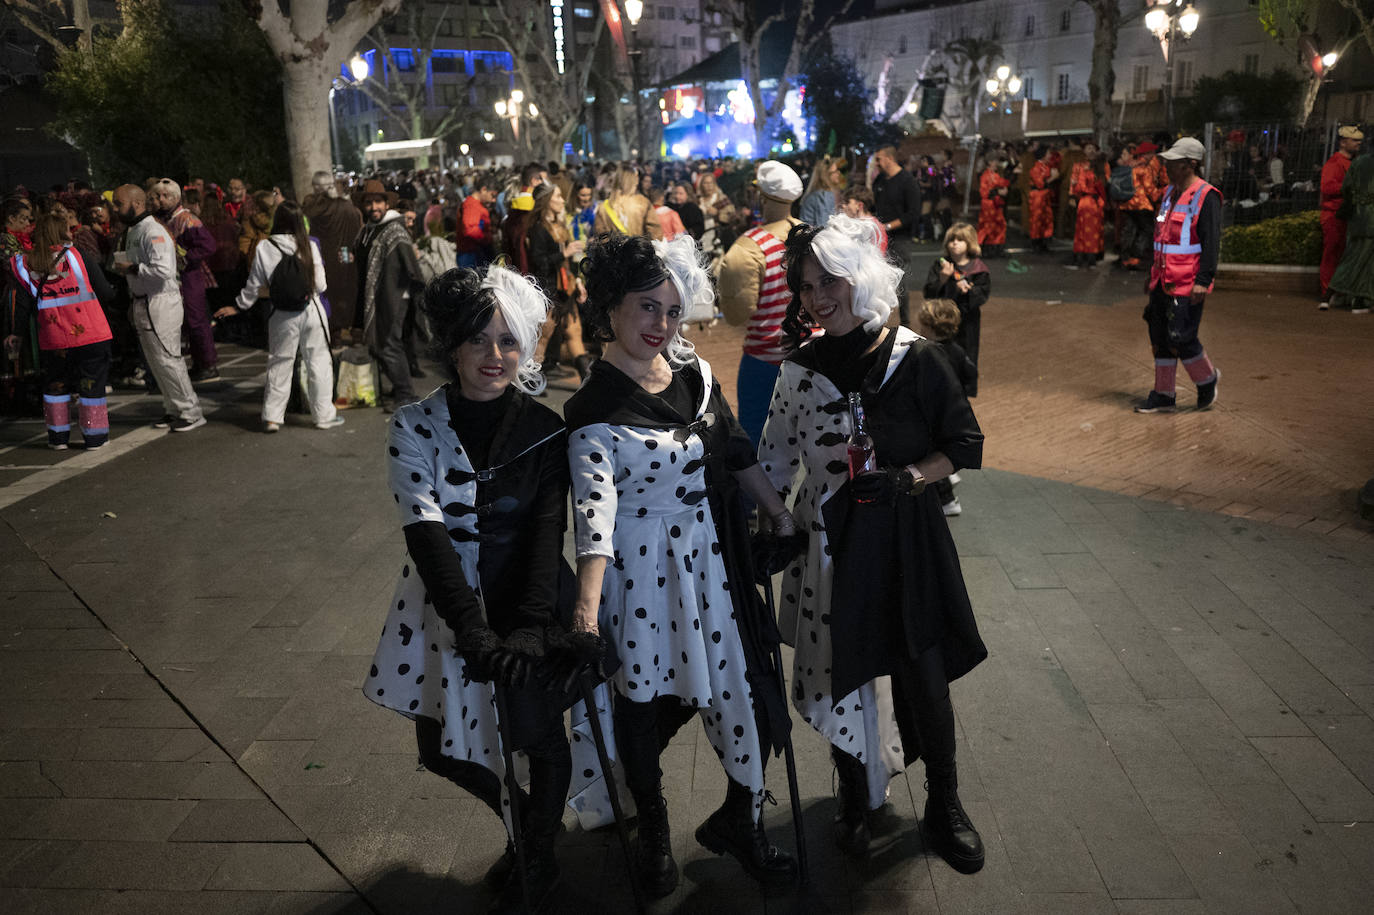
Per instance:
(861,456)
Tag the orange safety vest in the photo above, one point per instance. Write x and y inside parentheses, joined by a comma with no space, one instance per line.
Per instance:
(1178,253)
(69,314)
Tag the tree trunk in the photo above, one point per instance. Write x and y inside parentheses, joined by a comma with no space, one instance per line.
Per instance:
(1102,80)
(305,93)
(81,18)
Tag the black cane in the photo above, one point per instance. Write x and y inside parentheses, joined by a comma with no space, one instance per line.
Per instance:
(513,789)
(607,776)
(788,755)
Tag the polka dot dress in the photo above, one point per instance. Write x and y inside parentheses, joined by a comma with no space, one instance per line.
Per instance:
(639,499)
(414,670)
(804,448)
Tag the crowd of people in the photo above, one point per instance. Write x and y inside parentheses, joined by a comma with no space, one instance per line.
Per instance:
(835,465)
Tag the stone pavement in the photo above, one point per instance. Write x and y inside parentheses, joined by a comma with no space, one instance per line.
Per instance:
(1175,717)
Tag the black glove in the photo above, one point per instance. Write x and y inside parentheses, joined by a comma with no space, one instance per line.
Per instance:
(772,553)
(476,646)
(884,485)
(577,653)
(513,663)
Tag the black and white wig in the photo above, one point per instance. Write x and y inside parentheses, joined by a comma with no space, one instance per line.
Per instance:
(617,265)
(461,302)
(847,248)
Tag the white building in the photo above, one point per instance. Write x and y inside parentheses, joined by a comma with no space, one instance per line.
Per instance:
(1048,43)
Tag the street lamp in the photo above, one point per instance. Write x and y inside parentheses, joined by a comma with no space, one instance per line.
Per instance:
(359,68)
(1001,86)
(512,109)
(1170,21)
(633,10)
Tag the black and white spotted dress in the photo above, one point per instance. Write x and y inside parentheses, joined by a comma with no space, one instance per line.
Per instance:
(415,670)
(640,500)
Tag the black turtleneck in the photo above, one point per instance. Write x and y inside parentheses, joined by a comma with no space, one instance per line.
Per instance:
(843,360)
(476,422)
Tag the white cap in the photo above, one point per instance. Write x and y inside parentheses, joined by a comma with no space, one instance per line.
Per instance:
(1185,148)
(778,181)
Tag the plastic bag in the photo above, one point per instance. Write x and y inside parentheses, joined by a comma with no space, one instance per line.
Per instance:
(357,384)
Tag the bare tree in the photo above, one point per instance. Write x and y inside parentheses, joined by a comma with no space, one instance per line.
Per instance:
(311,49)
(45,17)
(1102,79)
(966,63)
(743,16)
(1294,23)
(525,30)
(401,100)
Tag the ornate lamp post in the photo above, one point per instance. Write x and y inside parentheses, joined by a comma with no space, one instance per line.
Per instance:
(1001,86)
(360,68)
(1170,21)
(512,109)
(634,9)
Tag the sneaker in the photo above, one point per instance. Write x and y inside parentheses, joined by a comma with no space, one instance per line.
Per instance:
(954,479)
(1207,392)
(186,425)
(1360,310)
(91,447)
(952,508)
(165,422)
(1157,403)
(269,426)
(1323,306)
(334,423)
(57,447)
(209,373)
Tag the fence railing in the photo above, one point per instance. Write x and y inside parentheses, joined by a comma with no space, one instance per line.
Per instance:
(1266,170)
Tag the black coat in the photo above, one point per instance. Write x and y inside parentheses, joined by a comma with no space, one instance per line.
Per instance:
(970,304)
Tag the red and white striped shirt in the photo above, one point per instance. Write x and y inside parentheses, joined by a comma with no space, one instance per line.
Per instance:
(763,335)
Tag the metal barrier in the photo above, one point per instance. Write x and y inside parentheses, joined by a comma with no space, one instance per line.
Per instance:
(1243,161)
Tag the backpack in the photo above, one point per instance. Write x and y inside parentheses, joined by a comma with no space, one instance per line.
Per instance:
(289,288)
(1122,186)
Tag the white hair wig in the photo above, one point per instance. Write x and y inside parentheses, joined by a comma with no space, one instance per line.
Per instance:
(683,260)
(848,248)
(525,309)
(169,187)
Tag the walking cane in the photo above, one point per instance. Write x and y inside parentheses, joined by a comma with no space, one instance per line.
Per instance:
(788,755)
(599,739)
(513,789)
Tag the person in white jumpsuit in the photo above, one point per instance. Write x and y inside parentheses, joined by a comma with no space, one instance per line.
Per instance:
(290,332)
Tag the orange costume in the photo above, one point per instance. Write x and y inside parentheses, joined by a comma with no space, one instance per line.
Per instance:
(1333,227)
(1041,210)
(1087,185)
(992,216)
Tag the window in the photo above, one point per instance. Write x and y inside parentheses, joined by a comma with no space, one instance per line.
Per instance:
(445,64)
(1061,87)
(901,45)
(1183,77)
(687,41)
(715,19)
(712,45)
(583,12)
(448,94)
(1030,26)
(1251,64)
(405,60)
(667,12)
(1028,87)
(996,30)
(1065,20)
(445,27)
(1140,80)
(934,41)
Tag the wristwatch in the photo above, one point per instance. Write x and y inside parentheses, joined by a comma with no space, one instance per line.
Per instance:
(917,483)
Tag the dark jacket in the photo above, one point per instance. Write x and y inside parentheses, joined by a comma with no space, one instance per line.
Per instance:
(897,198)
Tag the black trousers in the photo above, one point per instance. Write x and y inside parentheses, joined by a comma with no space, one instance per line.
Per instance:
(391,350)
(537,726)
(925,715)
(642,731)
(1173,322)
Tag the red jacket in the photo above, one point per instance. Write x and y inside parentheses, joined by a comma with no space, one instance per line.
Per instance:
(1333,176)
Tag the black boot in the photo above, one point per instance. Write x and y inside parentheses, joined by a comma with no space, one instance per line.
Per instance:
(653,849)
(541,877)
(850,829)
(947,826)
(733,830)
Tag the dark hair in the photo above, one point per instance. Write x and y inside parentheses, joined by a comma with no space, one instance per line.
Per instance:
(287,219)
(529,172)
(796,324)
(860,193)
(457,307)
(615,265)
(488,183)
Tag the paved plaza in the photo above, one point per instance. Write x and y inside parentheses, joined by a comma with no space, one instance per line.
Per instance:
(1177,715)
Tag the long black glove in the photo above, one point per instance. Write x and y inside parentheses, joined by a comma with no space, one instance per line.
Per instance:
(884,485)
(514,661)
(476,646)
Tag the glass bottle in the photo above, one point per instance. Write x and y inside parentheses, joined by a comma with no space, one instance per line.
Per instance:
(861,456)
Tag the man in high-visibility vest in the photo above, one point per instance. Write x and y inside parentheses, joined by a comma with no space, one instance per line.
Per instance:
(1186,244)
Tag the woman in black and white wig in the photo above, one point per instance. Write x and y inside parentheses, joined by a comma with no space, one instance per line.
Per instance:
(658,462)
(479,473)
(876,606)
